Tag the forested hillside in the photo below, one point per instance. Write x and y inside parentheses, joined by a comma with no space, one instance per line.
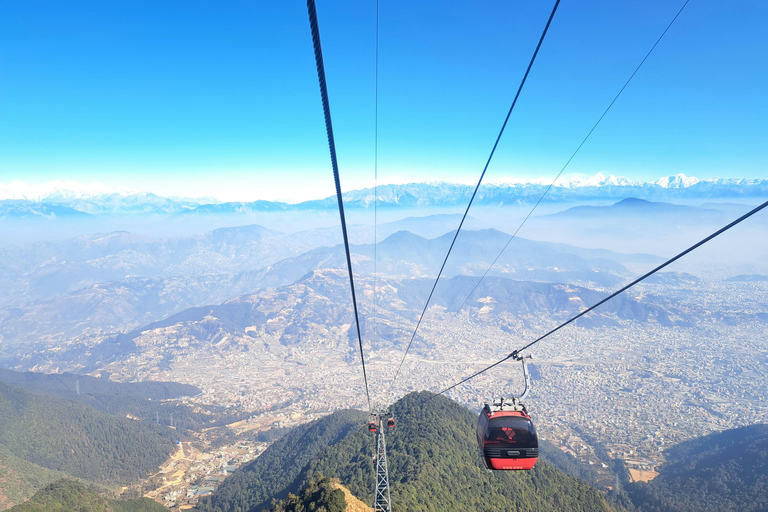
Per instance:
(65,385)
(144,400)
(20,479)
(71,437)
(726,471)
(433,466)
(69,495)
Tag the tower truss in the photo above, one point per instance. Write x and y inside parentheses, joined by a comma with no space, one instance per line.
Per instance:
(381,500)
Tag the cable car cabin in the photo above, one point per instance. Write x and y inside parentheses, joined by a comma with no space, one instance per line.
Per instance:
(507,439)
(372,426)
(391,423)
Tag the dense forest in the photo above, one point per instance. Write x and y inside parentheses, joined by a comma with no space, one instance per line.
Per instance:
(68,436)
(70,495)
(726,471)
(65,385)
(433,465)
(149,401)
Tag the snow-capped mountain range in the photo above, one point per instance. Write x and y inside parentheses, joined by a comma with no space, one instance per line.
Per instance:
(19,199)
(91,198)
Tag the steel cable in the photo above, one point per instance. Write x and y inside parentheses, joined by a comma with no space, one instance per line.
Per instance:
(571,158)
(332,147)
(477,187)
(514,353)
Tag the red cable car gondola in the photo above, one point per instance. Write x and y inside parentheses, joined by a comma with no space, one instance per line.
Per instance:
(506,435)
(372,426)
(391,422)
(507,439)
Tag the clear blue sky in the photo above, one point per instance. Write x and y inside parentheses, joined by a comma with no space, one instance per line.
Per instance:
(197,98)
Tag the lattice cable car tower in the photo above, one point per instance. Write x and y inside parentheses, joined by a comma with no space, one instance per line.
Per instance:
(381,498)
(381,502)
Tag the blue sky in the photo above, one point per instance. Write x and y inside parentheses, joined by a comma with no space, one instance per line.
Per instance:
(188,98)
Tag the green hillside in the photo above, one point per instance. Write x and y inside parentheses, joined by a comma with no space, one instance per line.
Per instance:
(433,466)
(726,471)
(68,436)
(65,385)
(145,400)
(72,496)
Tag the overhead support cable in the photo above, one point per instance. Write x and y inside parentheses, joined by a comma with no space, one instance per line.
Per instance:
(514,354)
(376,185)
(571,158)
(332,147)
(477,187)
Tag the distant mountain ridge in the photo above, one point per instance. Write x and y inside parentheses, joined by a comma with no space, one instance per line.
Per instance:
(431,194)
(295,314)
(29,209)
(404,254)
(117,281)
(635,206)
(598,187)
